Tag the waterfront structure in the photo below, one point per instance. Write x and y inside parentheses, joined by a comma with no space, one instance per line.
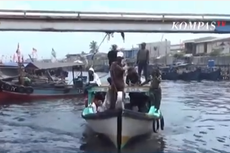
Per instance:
(158,49)
(207,45)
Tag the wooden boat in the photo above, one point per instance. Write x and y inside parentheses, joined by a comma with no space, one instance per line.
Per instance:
(186,72)
(122,124)
(11,91)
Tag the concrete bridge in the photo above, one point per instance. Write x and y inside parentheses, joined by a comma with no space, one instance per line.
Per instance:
(75,21)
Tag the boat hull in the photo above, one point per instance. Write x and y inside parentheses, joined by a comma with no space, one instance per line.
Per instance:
(211,76)
(41,94)
(132,128)
(107,127)
(120,126)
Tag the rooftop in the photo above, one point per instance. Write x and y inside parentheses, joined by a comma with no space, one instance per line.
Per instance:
(43,66)
(197,40)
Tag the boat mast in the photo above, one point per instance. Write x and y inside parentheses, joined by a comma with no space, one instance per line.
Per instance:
(20,63)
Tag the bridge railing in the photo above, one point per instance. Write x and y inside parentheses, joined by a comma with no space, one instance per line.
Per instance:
(79,14)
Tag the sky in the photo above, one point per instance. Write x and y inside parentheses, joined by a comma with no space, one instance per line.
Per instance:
(70,43)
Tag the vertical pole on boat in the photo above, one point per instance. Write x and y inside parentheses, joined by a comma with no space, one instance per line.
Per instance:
(166,51)
(19,61)
(81,71)
(119,131)
(20,73)
(73,72)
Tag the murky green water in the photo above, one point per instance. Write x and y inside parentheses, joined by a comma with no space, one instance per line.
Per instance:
(197,117)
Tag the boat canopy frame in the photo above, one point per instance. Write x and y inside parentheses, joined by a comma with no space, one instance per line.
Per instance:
(105,88)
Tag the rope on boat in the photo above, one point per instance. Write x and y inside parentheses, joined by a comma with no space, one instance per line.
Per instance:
(98,48)
(103,75)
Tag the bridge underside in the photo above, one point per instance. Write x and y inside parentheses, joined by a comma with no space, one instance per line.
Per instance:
(92,26)
(67,21)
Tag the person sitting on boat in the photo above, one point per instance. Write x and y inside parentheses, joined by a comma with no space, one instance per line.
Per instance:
(117,79)
(155,89)
(98,105)
(94,79)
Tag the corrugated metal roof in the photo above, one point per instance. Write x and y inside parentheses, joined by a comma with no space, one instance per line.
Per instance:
(215,39)
(198,40)
(12,64)
(42,65)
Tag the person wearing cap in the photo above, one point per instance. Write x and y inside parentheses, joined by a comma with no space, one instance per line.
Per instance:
(143,60)
(112,55)
(117,78)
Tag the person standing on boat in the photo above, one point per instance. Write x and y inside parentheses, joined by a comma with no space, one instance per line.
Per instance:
(132,77)
(117,78)
(155,89)
(137,99)
(143,60)
(112,55)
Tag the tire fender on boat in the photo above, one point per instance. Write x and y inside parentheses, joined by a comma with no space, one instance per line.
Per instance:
(29,90)
(162,123)
(20,89)
(2,85)
(155,125)
(7,87)
(66,90)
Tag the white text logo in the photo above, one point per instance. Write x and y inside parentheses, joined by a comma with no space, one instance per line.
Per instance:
(194,26)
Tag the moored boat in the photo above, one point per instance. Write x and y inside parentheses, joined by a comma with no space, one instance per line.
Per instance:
(13,91)
(211,74)
(122,124)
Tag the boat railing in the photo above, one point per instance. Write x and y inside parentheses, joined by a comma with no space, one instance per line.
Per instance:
(109,15)
(128,89)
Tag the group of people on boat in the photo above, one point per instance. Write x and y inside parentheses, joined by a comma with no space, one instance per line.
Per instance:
(133,78)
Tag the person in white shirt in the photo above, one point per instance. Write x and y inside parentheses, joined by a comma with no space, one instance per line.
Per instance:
(94,78)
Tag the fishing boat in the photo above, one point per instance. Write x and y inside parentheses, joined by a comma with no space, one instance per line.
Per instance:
(14,91)
(122,124)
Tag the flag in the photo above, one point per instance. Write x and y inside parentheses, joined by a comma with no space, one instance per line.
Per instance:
(34,50)
(18,51)
(123,36)
(53,53)
(22,59)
